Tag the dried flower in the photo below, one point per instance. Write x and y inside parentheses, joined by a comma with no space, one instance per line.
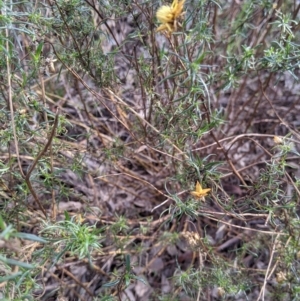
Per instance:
(200,192)
(281,277)
(193,238)
(221,292)
(169,16)
(79,219)
(277,140)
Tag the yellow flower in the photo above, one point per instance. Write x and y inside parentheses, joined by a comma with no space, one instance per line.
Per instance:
(200,192)
(169,16)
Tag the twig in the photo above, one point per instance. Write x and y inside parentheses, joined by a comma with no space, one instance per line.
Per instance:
(11,107)
(267,276)
(281,120)
(27,177)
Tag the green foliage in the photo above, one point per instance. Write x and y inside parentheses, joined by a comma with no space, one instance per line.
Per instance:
(106,128)
(19,275)
(72,236)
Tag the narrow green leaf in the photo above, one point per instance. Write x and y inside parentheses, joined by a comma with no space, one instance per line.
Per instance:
(10,277)
(127,262)
(199,59)
(31,237)
(16,262)
(110,284)
(39,50)
(2,223)
(67,216)
(141,279)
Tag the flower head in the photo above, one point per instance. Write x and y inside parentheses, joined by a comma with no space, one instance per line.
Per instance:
(200,192)
(169,16)
(277,140)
